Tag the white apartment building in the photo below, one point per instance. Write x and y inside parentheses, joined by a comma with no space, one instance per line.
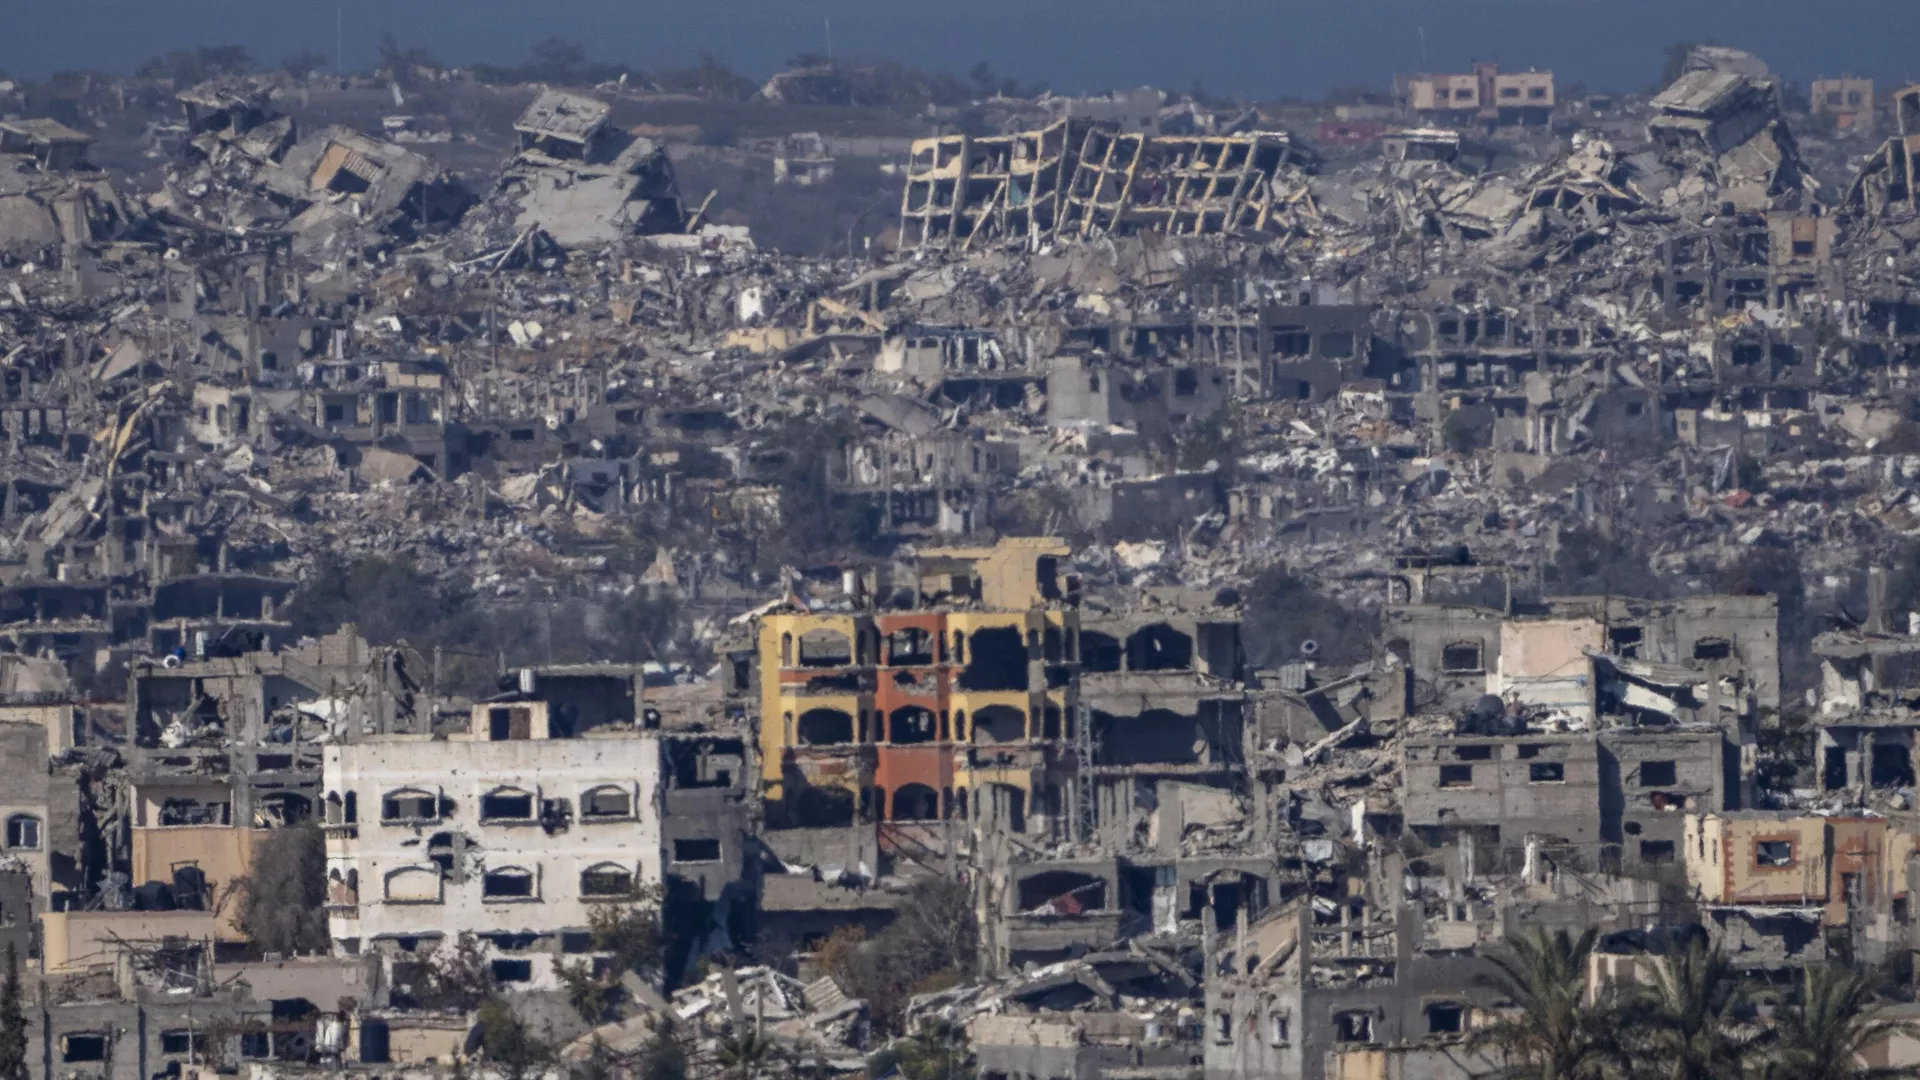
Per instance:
(502,830)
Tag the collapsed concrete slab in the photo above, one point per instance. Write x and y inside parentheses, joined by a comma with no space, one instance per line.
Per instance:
(581,181)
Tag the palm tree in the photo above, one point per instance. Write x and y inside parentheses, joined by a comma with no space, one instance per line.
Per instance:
(1683,1026)
(1826,1035)
(1557,1031)
(744,1055)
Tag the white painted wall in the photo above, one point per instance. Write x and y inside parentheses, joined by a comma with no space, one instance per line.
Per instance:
(390,859)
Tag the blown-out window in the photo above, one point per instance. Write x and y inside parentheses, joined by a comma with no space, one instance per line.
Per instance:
(507,883)
(410,804)
(606,880)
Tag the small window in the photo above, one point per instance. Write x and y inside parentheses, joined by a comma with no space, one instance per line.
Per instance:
(506,804)
(1712,649)
(1279,1029)
(1546,772)
(1446,1018)
(1528,750)
(1463,657)
(1537,93)
(1456,776)
(1353,1027)
(1463,94)
(1656,852)
(410,805)
(696,850)
(513,971)
(1803,248)
(607,879)
(1223,1026)
(1658,774)
(1626,640)
(1473,753)
(510,883)
(1773,853)
(23,831)
(575,942)
(1509,91)
(88,1047)
(606,803)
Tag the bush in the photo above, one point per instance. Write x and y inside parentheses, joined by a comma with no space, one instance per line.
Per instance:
(283,904)
(931,945)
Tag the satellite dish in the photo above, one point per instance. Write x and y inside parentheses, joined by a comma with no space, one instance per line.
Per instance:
(1309,647)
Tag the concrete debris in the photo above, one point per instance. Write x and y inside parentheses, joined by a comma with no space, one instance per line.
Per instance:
(1172,603)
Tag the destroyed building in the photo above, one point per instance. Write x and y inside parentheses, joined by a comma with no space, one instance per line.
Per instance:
(579,180)
(1255,580)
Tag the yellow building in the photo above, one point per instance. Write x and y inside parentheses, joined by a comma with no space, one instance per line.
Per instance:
(907,709)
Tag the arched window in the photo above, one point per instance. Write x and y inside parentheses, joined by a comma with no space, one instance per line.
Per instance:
(23,832)
(413,885)
(999,723)
(606,803)
(507,883)
(825,727)
(911,724)
(824,648)
(606,880)
(408,805)
(507,804)
(1462,657)
(915,802)
(786,650)
(959,647)
(283,808)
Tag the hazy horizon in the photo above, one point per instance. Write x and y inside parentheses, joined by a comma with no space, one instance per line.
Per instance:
(1248,48)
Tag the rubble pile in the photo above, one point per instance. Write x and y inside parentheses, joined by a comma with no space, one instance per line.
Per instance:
(1198,589)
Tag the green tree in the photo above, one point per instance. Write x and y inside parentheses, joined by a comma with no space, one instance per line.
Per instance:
(1555,1032)
(13,1023)
(937,1051)
(1827,1033)
(1683,1027)
(664,1055)
(586,992)
(745,1055)
(283,905)
(633,934)
(931,945)
(459,975)
(510,1044)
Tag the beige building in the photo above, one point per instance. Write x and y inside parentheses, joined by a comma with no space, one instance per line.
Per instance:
(1847,99)
(1757,858)
(1485,94)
